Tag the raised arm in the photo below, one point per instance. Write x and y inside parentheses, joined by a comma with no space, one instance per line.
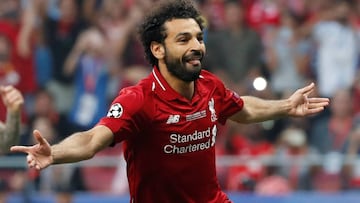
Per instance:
(77,147)
(298,104)
(10,130)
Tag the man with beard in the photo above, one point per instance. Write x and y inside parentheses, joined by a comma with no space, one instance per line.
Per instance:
(10,129)
(169,120)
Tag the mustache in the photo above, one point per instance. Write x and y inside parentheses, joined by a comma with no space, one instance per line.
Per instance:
(194,55)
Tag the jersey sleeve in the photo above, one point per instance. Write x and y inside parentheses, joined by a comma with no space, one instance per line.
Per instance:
(124,114)
(231,104)
(230,101)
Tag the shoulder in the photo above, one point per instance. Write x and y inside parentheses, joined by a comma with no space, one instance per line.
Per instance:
(135,96)
(209,78)
(210,82)
(135,93)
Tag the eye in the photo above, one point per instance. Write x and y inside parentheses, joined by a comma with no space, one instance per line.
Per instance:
(183,39)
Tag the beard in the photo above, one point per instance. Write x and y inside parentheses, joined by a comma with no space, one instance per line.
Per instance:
(178,66)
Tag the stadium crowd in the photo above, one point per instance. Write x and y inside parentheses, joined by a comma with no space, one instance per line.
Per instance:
(70,58)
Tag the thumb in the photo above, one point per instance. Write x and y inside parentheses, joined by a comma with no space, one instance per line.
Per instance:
(2,89)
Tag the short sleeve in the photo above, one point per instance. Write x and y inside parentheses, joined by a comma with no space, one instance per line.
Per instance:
(229,102)
(124,114)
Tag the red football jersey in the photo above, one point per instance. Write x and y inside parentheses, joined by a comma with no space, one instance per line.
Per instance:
(169,140)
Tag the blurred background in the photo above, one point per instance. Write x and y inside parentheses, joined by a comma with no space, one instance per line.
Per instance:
(70,58)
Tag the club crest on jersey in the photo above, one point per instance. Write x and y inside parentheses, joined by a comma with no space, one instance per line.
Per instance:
(212,110)
(115,111)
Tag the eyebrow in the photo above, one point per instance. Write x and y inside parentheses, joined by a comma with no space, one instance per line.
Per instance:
(188,33)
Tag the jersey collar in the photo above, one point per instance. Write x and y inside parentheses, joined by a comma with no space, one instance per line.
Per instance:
(163,89)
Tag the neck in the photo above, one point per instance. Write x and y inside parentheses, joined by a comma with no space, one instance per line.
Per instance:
(186,89)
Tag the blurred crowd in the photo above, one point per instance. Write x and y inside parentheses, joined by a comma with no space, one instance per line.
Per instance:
(71,57)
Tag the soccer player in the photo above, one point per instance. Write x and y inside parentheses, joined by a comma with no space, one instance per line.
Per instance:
(10,130)
(169,120)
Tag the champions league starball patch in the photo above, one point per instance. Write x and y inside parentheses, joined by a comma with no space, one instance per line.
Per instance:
(115,111)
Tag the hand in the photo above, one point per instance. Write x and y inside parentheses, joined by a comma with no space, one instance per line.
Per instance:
(12,98)
(39,155)
(302,105)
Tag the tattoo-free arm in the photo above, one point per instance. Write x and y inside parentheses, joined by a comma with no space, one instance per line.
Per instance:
(298,104)
(82,145)
(258,110)
(77,147)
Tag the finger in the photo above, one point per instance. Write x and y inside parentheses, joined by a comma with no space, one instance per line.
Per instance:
(29,158)
(32,164)
(39,138)
(315,110)
(20,149)
(5,89)
(306,103)
(37,167)
(317,105)
(306,99)
(2,89)
(308,89)
(12,94)
(13,97)
(319,100)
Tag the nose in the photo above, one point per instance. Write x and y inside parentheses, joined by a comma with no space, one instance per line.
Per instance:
(197,45)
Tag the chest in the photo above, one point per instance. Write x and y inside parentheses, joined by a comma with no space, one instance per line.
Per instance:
(184,128)
(186,117)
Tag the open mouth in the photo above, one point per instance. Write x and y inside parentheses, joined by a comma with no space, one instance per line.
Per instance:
(194,59)
(194,62)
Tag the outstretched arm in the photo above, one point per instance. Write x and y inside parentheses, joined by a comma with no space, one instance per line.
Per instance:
(77,147)
(297,105)
(10,130)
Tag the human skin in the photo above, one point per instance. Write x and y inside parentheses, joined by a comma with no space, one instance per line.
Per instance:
(10,129)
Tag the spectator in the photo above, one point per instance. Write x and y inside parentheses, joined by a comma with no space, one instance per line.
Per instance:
(250,142)
(263,15)
(88,62)
(60,35)
(287,55)
(10,129)
(16,25)
(330,133)
(8,72)
(118,20)
(177,127)
(235,50)
(297,159)
(62,180)
(337,49)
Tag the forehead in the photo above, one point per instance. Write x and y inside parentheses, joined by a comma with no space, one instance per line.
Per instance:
(176,26)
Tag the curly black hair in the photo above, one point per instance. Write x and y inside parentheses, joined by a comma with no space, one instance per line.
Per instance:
(152,29)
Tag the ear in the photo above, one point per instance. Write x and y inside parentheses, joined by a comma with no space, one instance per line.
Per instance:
(158,50)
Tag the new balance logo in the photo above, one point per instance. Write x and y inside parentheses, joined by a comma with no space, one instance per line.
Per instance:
(173,119)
